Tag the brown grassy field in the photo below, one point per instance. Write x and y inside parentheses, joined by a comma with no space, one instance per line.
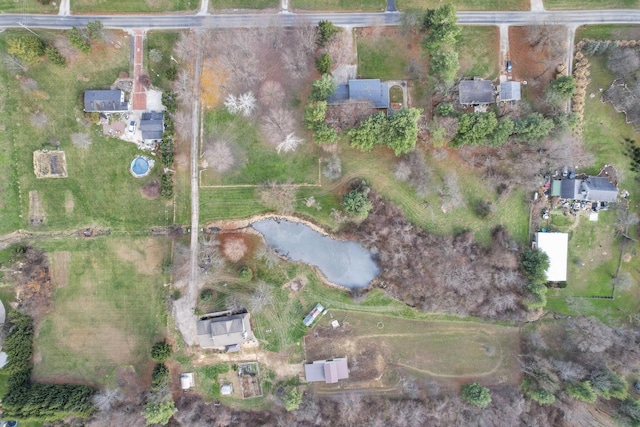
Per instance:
(379,347)
(108,309)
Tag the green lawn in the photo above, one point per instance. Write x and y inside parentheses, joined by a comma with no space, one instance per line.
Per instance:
(608,32)
(591,4)
(467,4)
(99,189)
(9,186)
(128,6)
(227,203)
(28,6)
(161,41)
(478,49)
(383,57)
(109,312)
(242,4)
(351,5)
(257,162)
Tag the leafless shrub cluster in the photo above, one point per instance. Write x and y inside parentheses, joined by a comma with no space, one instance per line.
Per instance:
(413,170)
(547,38)
(209,257)
(332,169)
(279,197)
(219,156)
(440,274)
(234,249)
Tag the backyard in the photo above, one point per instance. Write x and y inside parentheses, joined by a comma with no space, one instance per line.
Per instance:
(43,111)
(377,347)
(108,309)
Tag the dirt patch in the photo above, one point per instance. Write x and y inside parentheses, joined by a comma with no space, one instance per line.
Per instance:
(50,164)
(250,380)
(59,268)
(536,66)
(81,140)
(69,204)
(32,277)
(38,120)
(145,254)
(151,190)
(37,214)
(296,284)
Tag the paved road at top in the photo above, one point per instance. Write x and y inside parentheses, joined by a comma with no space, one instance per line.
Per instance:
(242,20)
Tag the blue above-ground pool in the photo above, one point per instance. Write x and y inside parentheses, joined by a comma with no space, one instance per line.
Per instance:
(139,166)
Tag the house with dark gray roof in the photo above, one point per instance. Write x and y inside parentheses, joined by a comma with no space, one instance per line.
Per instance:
(152,126)
(224,332)
(327,371)
(591,188)
(476,92)
(105,101)
(510,91)
(371,90)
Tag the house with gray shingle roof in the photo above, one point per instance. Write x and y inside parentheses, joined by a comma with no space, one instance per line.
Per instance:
(372,90)
(476,92)
(224,332)
(152,126)
(105,101)
(591,188)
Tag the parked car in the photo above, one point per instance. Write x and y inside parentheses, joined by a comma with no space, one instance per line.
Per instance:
(509,66)
(132,127)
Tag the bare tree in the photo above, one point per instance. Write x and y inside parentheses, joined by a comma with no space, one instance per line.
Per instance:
(276,124)
(547,37)
(289,144)
(623,61)
(209,257)
(271,94)
(280,197)
(234,249)
(296,62)
(260,298)
(219,156)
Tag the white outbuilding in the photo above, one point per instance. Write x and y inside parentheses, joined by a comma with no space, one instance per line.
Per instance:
(556,246)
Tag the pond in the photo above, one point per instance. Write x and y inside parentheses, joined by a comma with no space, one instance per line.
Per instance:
(343,262)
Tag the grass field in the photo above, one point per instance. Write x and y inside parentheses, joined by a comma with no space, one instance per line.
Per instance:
(478,49)
(28,6)
(163,42)
(608,32)
(242,4)
(256,161)
(466,4)
(383,57)
(591,4)
(108,312)
(127,6)
(448,352)
(361,5)
(99,190)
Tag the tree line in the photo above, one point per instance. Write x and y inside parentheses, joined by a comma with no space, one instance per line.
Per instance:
(37,401)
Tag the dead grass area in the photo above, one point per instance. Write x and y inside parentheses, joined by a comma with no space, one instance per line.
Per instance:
(59,262)
(447,352)
(107,311)
(69,203)
(37,215)
(238,246)
(536,67)
(145,254)
(50,164)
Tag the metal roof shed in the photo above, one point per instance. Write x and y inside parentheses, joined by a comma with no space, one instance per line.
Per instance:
(556,246)
(510,91)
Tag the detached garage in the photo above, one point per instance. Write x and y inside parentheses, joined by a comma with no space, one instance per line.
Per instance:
(556,246)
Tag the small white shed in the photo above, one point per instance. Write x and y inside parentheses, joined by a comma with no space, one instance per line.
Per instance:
(187,381)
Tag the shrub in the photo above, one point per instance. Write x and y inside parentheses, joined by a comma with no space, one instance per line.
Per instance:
(293,399)
(159,413)
(171,73)
(326,31)
(475,394)
(77,40)
(582,391)
(323,63)
(534,263)
(161,351)
(159,377)
(166,185)
(55,56)
(357,201)
(245,274)
(28,48)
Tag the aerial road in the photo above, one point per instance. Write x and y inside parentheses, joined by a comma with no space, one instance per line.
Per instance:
(248,20)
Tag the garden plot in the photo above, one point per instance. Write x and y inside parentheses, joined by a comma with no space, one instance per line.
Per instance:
(249,380)
(49,164)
